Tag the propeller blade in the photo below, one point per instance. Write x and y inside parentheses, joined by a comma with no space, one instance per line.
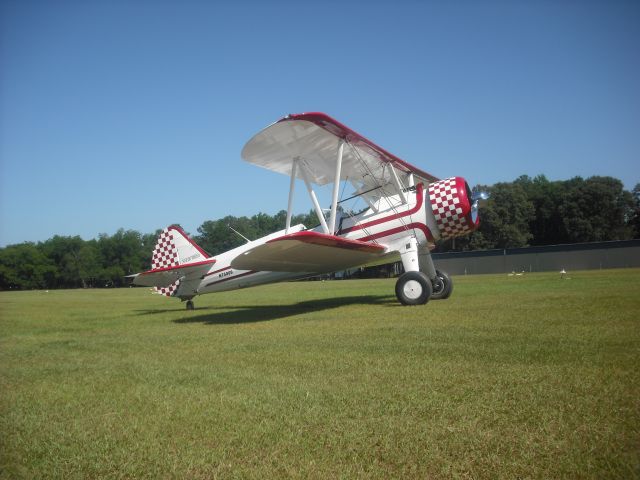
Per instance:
(478,199)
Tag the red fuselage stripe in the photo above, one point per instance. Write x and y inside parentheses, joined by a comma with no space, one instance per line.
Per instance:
(217,271)
(416,208)
(226,279)
(179,267)
(386,233)
(416,225)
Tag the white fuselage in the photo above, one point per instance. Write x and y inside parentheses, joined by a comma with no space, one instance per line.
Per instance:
(390,223)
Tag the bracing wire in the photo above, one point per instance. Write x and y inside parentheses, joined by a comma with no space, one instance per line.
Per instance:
(380,183)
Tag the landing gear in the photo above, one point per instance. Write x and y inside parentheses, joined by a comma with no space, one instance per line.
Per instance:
(421,281)
(190,305)
(413,288)
(442,286)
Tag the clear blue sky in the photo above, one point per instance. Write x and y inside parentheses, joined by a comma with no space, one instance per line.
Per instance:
(132,114)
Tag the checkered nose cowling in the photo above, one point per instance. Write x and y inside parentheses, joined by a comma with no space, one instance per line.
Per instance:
(451,206)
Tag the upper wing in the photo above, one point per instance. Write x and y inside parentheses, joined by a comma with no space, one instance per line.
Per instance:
(313,138)
(309,252)
(163,277)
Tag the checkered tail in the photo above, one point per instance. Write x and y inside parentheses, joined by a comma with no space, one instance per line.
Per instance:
(174,248)
(165,255)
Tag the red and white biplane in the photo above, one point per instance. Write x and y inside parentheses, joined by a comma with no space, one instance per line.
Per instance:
(406,210)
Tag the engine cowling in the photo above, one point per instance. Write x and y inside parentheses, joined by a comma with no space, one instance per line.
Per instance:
(454,213)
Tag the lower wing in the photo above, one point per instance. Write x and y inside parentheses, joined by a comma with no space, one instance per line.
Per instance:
(309,252)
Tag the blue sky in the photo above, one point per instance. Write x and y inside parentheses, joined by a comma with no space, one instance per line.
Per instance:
(132,114)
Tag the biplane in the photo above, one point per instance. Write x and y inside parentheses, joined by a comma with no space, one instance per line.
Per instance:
(405,211)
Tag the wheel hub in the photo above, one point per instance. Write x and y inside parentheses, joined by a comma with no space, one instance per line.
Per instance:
(412,289)
(438,285)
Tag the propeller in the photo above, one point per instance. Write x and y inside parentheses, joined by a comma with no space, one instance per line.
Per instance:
(478,199)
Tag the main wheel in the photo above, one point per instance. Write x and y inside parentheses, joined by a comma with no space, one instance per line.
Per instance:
(190,305)
(442,286)
(413,288)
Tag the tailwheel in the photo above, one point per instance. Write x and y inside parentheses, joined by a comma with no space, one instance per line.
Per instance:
(190,305)
(442,286)
(413,288)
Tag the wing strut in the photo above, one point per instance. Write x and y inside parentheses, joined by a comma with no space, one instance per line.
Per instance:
(336,189)
(396,180)
(314,199)
(330,228)
(292,184)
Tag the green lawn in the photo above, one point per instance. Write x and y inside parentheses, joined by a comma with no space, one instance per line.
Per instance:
(512,377)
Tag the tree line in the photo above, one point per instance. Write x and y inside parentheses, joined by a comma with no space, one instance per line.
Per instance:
(527,211)
(536,211)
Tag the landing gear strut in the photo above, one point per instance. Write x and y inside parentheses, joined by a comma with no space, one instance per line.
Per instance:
(190,305)
(413,287)
(421,281)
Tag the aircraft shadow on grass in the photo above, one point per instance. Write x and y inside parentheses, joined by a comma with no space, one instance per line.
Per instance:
(263,313)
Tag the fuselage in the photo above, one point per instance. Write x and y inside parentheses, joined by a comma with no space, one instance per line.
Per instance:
(388,224)
(441,210)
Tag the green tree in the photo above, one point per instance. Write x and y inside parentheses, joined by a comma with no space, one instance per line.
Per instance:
(64,252)
(25,266)
(309,219)
(504,221)
(148,243)
(546,226)
(121,254)
(88,261)
(596,209)
(634,220)
(216,237)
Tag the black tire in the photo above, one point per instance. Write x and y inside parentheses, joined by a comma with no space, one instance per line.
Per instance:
(442,286)
(190,305)
(413,288)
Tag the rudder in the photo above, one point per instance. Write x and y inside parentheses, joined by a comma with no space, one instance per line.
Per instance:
(174,248)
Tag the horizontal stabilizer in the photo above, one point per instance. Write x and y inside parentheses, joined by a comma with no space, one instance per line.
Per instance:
(163,277)
(311,252)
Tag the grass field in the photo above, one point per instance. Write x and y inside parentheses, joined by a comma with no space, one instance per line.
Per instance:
(513,377)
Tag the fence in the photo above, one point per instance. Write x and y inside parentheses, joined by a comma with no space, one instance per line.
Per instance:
(580,256)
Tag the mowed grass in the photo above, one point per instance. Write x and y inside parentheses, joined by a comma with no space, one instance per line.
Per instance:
(512,377)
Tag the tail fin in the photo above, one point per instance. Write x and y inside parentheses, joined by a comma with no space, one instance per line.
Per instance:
(173,248)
